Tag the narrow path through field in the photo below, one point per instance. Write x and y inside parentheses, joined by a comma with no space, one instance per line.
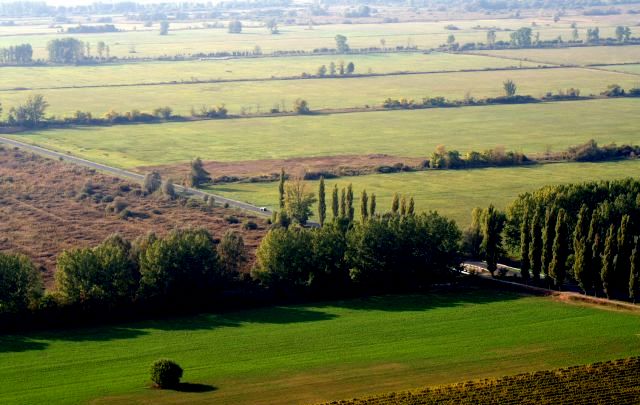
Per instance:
(128,175)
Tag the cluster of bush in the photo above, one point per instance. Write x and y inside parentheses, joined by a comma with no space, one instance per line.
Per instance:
(592,152)
(443,159)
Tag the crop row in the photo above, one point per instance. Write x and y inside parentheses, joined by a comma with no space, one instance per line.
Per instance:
(599,383)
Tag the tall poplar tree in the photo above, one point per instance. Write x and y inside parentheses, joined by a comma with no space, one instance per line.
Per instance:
(558,265)
(403,206)
(281,188)
(492,237)
(412,207)
(343,203)
(582,254)
(608,261)
(322,203)
(395,204)
(525,243)
(334,201)
(625,248)
(372,209)
(535,250)
(364,206)
(548,235)
(634,272)
(350,209)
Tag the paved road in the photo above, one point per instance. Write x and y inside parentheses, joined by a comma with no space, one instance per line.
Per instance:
(129,175)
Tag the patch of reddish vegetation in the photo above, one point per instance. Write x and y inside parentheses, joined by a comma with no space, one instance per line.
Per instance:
(44,210)
(269,169)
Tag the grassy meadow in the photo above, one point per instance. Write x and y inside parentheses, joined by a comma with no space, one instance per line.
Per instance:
(453,193)
(315,352)
(591,55)
(261,96)
(147,43)
(45,77)
(527,128)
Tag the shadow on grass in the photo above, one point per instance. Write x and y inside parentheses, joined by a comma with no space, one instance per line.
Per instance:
(194,387)
(16,344)
(270,315)
(425,301)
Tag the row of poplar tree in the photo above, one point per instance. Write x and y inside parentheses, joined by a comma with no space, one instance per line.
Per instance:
(586,232)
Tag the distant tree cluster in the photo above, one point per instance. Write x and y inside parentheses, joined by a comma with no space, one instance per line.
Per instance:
(92,29)
(66,50)
(339,69)
(16,55)
(443,159)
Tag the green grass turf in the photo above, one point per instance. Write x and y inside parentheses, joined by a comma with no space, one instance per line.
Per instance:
(453,192)
(251,97)
(574,56)
(528,128)
(233,69)
(303,354)
(633,69)
(426,35)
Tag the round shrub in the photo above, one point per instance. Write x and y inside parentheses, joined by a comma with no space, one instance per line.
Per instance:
(165,373)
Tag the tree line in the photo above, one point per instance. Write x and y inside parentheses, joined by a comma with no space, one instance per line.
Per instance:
(189,269)
(16,55)
(585,233)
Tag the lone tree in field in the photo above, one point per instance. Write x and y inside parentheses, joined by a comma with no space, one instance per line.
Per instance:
(535,249)
(492,237)
(510,88)
(199,175)
(558,266)
(351,68)
(609,261)
(525,244)
(166,373)
(272,26)
(164,27)
(301,106)
(322,203)
(235,27)
(341,44)
(152,182)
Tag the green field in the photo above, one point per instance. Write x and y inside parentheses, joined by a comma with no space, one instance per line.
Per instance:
(589,55)
(528,128)
(261,96)
(426,35)
(316,352)
(450,192)
(235,69)
(632,69)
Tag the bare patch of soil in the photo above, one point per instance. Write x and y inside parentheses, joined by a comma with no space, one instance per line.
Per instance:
(44,209)
(269,169)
